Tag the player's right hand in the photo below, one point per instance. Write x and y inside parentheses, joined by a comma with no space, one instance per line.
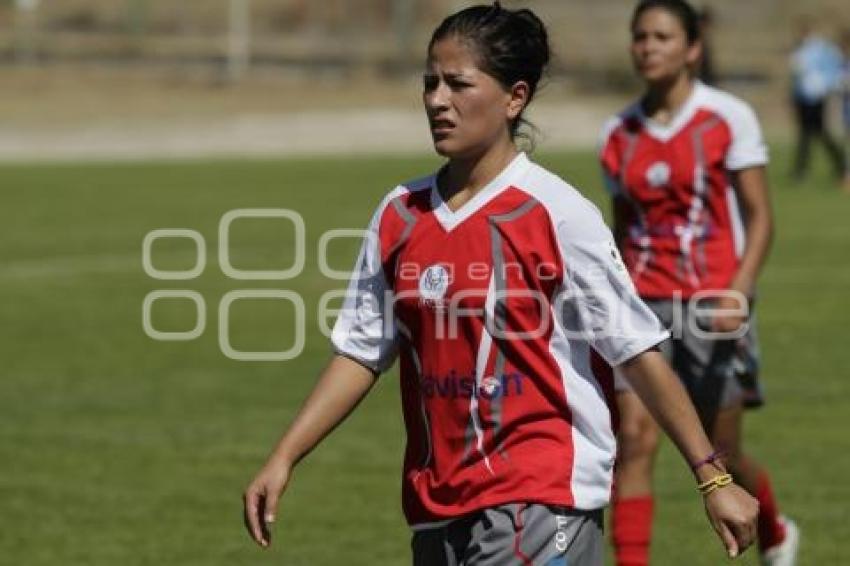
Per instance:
(261,497)
(733,513)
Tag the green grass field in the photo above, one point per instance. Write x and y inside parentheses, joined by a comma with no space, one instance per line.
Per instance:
(116,449)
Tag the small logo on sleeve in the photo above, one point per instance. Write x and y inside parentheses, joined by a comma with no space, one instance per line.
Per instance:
(616,257)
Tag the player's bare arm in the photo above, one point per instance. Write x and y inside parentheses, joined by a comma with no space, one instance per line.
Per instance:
(340,387)
(754,197)
(731,511)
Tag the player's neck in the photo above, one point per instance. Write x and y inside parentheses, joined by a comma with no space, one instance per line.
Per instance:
(664,100)
(462,179)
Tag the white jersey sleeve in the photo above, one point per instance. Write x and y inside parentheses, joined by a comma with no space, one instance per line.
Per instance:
(747,148)
(365,330)
(600,301)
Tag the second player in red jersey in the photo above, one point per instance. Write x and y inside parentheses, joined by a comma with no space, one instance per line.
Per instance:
(677,216)
(685,166)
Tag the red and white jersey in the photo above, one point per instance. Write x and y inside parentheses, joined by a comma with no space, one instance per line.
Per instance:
(496,311)
(679,226)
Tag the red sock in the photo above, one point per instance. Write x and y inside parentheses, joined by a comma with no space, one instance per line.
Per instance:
(631,527)
(771,531)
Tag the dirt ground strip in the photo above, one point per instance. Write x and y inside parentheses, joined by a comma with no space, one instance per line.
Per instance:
(89,113)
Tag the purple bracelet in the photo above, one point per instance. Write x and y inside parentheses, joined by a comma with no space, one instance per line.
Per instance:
(710,459)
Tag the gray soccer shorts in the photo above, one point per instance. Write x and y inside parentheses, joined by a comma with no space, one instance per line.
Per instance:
(513,534)
(717,373)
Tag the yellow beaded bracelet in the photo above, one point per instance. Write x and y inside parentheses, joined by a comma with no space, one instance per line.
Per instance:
(714,483)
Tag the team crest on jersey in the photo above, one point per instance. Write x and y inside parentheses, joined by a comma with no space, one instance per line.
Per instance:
(658,174)
(433,285)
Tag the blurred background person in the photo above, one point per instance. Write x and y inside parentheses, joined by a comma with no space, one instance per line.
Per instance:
(815,73)
(669,160)
(845,103)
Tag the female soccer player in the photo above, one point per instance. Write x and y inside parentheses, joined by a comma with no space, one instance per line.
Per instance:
(679,162)
(499,287)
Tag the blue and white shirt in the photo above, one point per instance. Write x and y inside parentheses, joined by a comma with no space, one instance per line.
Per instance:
(816,67)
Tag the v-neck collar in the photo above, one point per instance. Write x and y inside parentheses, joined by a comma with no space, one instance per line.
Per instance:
(665,132)
(450,219)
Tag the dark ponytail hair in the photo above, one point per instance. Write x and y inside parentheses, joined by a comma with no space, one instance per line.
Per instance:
(684,12)
(510,45)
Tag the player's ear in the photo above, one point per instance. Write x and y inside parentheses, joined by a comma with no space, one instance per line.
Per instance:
(519,94)
(694,52)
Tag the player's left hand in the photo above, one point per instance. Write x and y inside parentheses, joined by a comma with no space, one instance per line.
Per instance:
(733,513)
(260,499)
(730,314)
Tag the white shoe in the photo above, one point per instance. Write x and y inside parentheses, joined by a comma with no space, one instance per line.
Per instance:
(784,553)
